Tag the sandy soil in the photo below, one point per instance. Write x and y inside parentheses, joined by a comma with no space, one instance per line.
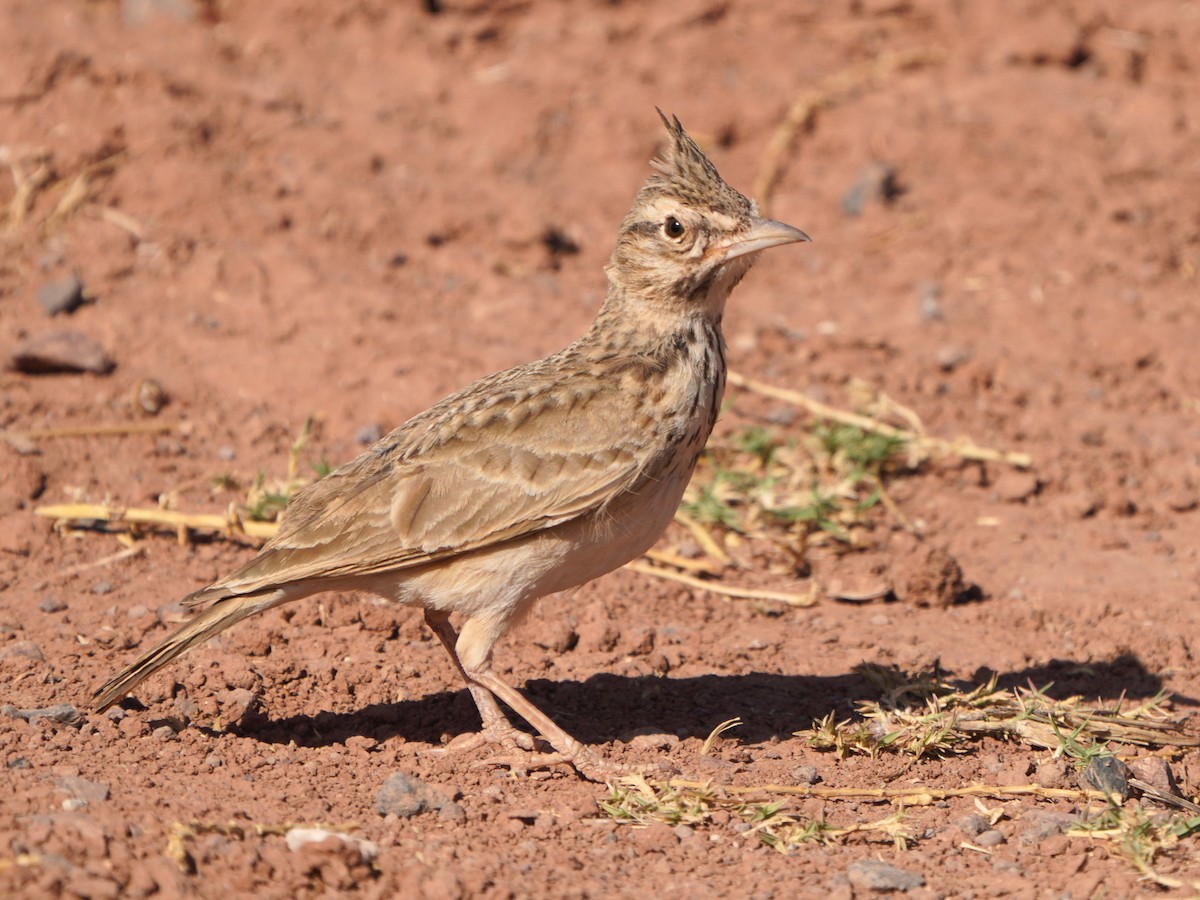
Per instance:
(349,209)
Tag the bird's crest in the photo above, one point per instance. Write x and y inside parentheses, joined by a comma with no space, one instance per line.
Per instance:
(685,173)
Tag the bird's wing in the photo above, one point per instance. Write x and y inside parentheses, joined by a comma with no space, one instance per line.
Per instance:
(480,468)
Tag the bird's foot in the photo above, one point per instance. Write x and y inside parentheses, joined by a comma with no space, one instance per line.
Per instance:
(498,732)
(587,763)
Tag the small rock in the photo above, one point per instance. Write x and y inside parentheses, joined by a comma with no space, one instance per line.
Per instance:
(558,637)
(783,416)
(151,396)
(1108,774)
(1013,486)
(237,703)
(24,650)
(402,795)
(651,739)
(1039,824)
(806,775)
(1182,500)
(213,761)
(139,12)
(60,351)
(452,812)
(369,434)
(62,296)
(51,604)
(226,453)
(1051,774)
(100,588)
(877,875)
(933,578)
(972,824)
(88,791)
(876,182)
(18,762)
(990,838)
(1082,504)
(929,300)
(74,804)
(187,709)
(297,838)
(949,357)
(1156,772)
(165,733)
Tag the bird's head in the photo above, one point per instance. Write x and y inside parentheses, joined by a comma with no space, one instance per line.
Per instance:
(690,237)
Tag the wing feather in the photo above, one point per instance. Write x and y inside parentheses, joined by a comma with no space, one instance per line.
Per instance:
(462,476)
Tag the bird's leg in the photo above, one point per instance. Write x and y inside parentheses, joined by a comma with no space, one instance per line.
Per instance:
(567,750)
(496,727)
(473,655)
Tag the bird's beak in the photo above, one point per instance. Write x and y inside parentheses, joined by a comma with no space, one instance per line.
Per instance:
(762,234)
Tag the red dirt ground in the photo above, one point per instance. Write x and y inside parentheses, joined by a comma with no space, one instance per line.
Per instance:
(341,209)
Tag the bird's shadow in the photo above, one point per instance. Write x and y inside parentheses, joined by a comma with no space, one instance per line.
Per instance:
(613,707)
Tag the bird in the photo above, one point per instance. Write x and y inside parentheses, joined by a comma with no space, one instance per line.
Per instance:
(530,481)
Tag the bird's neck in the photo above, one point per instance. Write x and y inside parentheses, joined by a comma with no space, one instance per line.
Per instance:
(645,324)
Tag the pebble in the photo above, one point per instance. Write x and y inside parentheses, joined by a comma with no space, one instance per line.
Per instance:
(296,838)
(369,434)
(929,301)
(1039,824)
(236,703)
(24,650)
(402,795)
(139,12)
(990,838)
(876,182)
(226,453)
(59,714)
(101,588)
(66,350)
(151,396)
(877,875)
(972,824)
(1156,772)
(950,356)
(18,762)
(1108,774)
(82,789)
(806,775)
(51,604)
(62,296)
(165,733)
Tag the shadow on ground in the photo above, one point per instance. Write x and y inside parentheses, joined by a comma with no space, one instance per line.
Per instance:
(609,707)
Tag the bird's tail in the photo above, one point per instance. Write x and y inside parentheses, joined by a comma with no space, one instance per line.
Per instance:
(227,611)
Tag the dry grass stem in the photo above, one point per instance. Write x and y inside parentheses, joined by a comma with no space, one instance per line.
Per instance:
(831,90)
(716,587)
(706,541)
(962,447)
(43,434)
(919,795)
(230,524)
(923,715)
(716,733)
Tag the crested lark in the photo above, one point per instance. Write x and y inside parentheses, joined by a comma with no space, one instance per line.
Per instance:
(532,480)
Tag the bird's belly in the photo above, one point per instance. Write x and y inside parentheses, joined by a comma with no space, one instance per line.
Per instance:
(510,576)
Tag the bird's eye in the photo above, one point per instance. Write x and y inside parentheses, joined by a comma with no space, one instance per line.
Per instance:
(673,227)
